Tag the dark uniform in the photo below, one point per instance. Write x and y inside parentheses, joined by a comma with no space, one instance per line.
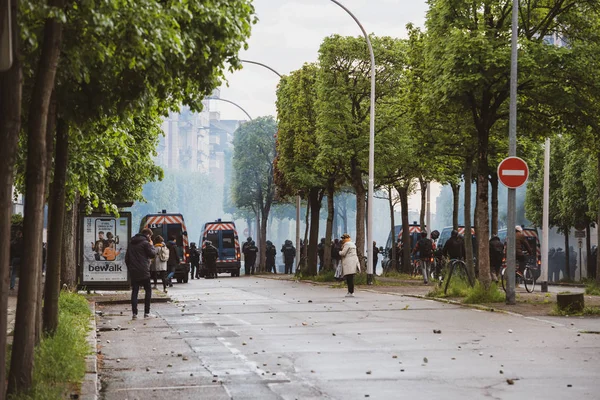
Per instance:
(209,258)
(194,261)
(454,248)
(250,252)
(271,253)
(321,253)
(289,253)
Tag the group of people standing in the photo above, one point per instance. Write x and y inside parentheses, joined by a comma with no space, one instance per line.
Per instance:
(250,252)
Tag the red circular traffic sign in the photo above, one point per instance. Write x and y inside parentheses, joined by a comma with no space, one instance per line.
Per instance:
(513,172)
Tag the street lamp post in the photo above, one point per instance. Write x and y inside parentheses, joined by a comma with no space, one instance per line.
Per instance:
(371,151)
(230,102)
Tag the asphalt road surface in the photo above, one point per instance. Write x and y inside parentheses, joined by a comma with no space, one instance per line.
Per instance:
(256,338)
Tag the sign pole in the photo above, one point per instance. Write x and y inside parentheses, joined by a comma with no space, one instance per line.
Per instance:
(512,151)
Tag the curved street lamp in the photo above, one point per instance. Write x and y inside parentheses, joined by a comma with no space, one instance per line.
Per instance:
(371,151)
(230,102)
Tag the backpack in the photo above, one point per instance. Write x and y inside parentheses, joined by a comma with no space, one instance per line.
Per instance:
(163,255)
(425,248)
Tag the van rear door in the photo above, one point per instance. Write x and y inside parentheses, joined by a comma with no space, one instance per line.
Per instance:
(228,251)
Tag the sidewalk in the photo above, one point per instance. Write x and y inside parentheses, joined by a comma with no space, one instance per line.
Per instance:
(528,304)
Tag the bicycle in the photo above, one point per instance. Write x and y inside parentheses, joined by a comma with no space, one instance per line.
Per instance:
(458,268)
(527,277)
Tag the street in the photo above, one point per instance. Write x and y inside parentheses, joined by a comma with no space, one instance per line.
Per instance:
(257,338)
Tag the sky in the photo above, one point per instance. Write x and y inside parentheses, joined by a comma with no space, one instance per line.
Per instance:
(289,33)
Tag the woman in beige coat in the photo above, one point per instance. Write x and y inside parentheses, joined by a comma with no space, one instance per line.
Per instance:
(350,263)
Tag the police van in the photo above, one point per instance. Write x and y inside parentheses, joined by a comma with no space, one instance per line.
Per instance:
(415,234)
(167,225)
(223,235)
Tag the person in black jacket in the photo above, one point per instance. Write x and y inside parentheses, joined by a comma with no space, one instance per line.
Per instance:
(16,253)
(454,248)
(173,261)
(138,256)
(289,253)
(496,255)
(321,253)
(271,253)
(209,257)
(194,261)
(250,253)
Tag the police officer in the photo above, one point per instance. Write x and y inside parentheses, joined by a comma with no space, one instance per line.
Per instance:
(194,261)
(209,258)
(271,253)
(250,253)
(246,244)
(289,253)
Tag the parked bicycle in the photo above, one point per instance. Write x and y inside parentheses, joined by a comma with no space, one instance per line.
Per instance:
(458,270)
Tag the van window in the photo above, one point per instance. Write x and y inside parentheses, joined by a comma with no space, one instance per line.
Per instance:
(213,236)
(157,230)
(228,238)
(175,230)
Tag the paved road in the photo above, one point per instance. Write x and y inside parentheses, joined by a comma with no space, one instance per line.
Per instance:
(255,338)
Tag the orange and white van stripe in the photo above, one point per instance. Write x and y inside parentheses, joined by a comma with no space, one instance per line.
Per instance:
(220,227)
(168,219)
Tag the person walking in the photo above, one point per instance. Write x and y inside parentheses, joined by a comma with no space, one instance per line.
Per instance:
(321,253)
(375,257)
(271,253)
(173,261)
(454,248)
(138,256)
(209,257)
(194,261)
(496,255)
(16,253)
(335,253)
(289,253)
(350,263)
(250,253)
(159,264)
(425,249)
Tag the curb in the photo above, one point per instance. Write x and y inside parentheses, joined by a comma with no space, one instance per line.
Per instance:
(128,301)
(89,386)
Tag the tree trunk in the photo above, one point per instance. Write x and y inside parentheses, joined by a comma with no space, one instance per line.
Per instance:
(359,189)
(56,226)
(304,250)
(467,217)
(423,186)
(21,367)
(68,272)
(263,239)
(392,229)
(11,83)
(598,220)
(567,255)
(455,200)
(588,249)
(403,193)
(482,224)
(315,208)
(494,183)
(329,226)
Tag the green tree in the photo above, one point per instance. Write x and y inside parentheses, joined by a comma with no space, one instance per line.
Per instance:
(252,183)
(343,107)
(469,59)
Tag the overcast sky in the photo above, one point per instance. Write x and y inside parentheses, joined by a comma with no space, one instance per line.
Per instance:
(289,33)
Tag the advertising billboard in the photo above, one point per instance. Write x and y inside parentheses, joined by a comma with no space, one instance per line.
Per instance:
(104,239)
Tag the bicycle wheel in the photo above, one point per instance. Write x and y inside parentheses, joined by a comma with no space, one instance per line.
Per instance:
(503,278)
(416,268)
(528,280)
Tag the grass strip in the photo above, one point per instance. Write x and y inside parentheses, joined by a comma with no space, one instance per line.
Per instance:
(59,365)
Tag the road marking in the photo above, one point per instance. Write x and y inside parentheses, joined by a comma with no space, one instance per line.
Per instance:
(513,172)
(167,388)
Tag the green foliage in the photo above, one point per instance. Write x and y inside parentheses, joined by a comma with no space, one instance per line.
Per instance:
(590,311)
(254,152)
(60,359)
(592,289)
(326,276)
(480,295)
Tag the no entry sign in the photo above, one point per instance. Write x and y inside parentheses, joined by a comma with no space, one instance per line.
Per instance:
(513,172)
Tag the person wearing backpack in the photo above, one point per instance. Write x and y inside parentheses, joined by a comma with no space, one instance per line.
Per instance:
(159,264)
(209,257)
(425,249)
